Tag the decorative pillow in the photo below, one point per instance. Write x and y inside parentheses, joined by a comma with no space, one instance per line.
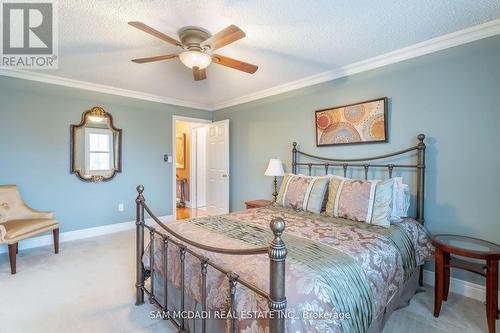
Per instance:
(317,194)
(303,192)
(390,200)
(382,206)
(284,184)
(297,192)
(355,200)
(333,191)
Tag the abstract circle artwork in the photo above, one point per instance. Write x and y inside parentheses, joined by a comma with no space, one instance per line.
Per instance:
(374,127)
(354,113)
(364,122)
(339,133)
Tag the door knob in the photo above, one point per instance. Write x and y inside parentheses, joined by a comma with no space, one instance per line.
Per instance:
(224,176)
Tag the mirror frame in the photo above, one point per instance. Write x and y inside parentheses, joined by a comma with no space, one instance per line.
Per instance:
(99,112)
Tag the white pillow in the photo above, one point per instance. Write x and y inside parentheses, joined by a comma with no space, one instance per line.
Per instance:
(401,200)
(406,203)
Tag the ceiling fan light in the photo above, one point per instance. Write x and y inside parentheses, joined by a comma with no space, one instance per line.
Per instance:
(195,59)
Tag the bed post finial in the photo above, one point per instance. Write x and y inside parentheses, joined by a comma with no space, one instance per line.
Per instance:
(278,226)
(139,222)
(421,138)
(294,157)
(140,189)
(277,256)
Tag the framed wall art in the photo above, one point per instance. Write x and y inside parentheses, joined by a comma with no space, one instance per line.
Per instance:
(364,122)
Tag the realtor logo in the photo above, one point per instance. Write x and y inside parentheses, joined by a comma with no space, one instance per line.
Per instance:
(28,34)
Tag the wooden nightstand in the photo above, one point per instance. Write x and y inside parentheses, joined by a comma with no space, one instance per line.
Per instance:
(257,203)
(446,245)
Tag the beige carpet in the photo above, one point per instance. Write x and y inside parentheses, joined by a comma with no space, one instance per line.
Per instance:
(88,287)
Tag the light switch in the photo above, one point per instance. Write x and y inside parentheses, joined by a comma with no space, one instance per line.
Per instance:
(121,207)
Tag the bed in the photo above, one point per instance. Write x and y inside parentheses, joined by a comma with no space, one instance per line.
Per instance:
(228,273)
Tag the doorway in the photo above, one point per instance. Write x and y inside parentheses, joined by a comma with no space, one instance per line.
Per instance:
(200,167)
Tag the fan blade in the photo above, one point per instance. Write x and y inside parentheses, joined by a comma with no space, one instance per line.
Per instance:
(156,33)
(233,63)
(222,38)
(157,58)
(199,74)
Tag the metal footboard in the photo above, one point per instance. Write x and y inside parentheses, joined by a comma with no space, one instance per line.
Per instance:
(276,251)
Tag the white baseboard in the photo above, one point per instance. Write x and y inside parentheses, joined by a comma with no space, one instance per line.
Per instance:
(69,236)
(461,287)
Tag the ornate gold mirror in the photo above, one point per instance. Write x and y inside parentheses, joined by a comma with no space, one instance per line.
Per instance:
(96,147)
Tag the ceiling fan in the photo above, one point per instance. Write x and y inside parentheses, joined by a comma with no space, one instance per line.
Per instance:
(197,43)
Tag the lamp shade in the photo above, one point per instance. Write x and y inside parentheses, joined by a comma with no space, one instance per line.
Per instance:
(275,168)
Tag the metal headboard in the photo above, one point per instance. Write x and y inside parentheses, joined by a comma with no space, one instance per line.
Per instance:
(344,163)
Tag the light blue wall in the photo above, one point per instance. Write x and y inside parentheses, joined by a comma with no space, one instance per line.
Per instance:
(35,123)
(452,96)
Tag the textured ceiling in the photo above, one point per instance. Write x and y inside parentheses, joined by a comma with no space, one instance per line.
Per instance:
(287,39)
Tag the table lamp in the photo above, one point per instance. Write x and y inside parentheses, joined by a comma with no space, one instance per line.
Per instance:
(275,169)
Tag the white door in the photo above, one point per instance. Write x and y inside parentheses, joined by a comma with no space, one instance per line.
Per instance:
(218,167)
(198,167)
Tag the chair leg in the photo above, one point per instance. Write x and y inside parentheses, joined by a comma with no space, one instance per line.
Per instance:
(12,257)
(56,240)
(17,248)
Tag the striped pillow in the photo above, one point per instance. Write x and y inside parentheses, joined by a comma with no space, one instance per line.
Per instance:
(351,199)
(297,191)
(303,192)
(333,191)
(317,194)
(284,184)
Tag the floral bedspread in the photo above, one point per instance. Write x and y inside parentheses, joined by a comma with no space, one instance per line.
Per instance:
(308,296)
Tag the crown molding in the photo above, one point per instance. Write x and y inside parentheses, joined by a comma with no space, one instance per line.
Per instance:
(460,37)
(61,81)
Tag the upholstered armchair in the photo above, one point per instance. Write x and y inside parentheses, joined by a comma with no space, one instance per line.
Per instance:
(18,222)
